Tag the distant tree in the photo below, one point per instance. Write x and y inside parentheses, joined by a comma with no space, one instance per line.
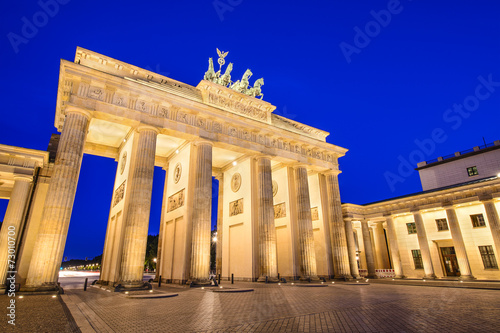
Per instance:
(151,252)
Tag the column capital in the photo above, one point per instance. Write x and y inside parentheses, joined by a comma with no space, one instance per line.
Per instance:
(299,165)
(448,205)
(415,210)
(201,142)
(23,178)
(74,109)
(258,157)
(331,172)
(141,128)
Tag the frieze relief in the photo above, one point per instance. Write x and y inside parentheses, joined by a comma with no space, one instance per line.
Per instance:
(236,207)
(279,210)
(175,201)
(183,116)
(119,193)
(314,214)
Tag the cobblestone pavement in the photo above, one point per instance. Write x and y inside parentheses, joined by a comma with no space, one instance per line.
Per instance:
(37,313)
(286,308)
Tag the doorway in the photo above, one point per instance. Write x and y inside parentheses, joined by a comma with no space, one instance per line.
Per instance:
(450,261)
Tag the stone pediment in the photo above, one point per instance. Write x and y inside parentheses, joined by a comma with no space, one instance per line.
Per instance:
(235,102)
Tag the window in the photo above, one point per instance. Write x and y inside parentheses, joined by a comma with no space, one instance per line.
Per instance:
(478,220)
(417,259)
(412,228)
(472,171)
(442,225)
(488,256)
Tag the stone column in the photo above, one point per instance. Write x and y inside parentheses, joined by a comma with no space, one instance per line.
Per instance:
(304,223)
(424,246)
(494,221)
(12,227)
(268,266)
(381,246)
(340,252)
(367,241)
(351,247)
(458,243)
(393,243)
(201,213)
(220,221)
(137,219)
(51,239)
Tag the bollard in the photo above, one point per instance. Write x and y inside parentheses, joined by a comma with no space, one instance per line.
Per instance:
(278,276)
(85,285)
(219,279)
(232,278)
(159,282)
(266,279)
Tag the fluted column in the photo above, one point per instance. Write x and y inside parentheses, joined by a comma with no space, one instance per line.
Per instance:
(424,246)
(458,243)
(304,223)
(381,246)
(351,247)
(367,241)
(267,231)
(220,221)
(340,252)
(137,218)
(201,210)
(393,243)
(12,225)
(51,239)
(494,221)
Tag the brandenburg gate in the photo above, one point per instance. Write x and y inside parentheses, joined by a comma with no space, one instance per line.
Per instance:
(279,207)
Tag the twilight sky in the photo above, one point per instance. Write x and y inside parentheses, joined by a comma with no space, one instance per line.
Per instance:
(395,82)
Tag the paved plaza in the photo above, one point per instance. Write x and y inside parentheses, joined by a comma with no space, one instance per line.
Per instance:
(339,307)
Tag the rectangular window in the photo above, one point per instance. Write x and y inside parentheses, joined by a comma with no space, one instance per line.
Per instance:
(478,220)
(472,171)
(412,228)
(488,256)
(417,259)
(441,224)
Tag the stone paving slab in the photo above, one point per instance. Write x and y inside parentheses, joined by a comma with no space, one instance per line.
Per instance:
(37,313)
(273,308)
(377,307)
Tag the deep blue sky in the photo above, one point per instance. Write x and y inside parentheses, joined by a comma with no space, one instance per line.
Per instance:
(395,89)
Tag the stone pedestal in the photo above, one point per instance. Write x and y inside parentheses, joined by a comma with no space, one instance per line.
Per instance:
(304,222)
(268,266)
(201,210)
(340,253)
(393,243)
(458,243)
(351,247)
(49,246)
(137,219)
(367,241)
(424,246)
(12,227)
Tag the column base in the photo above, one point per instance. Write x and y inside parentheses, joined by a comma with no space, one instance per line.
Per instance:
(131,285)
(198,283)
(466,278)
(430,277)
(270,279)
(43,288)
(343,277)
(374,276)
(400,277)
(309,278)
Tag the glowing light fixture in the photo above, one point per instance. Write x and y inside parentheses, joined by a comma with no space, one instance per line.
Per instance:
(235,163)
